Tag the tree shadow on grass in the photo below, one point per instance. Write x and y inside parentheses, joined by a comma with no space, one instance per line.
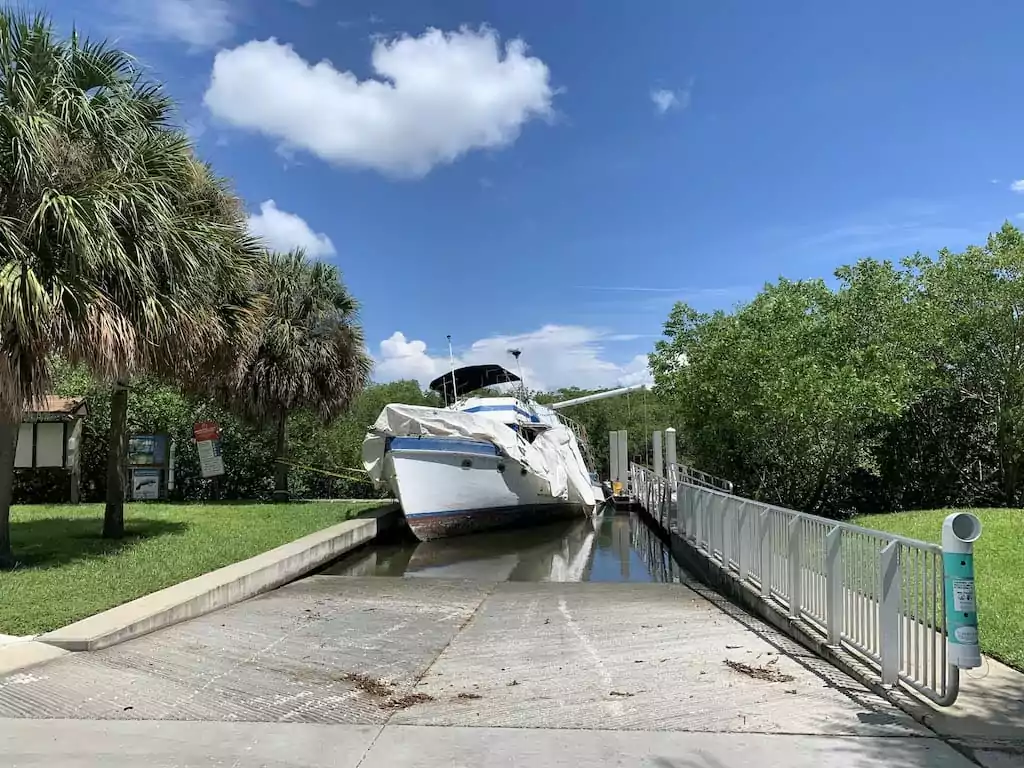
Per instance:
(54,541)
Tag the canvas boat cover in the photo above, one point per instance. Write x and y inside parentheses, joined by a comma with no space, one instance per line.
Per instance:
(554,456)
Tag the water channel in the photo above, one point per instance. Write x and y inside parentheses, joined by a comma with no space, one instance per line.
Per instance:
(607,548)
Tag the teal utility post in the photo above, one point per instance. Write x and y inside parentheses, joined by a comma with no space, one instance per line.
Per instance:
(959,532)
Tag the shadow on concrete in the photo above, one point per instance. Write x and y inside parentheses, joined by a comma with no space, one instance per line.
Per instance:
(54,541)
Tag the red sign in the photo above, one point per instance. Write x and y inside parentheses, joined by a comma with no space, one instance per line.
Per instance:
(206,430)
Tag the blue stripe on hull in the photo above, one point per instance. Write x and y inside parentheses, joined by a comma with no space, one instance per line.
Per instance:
(452,444)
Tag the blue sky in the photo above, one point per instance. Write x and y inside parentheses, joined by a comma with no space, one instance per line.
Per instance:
(554,176)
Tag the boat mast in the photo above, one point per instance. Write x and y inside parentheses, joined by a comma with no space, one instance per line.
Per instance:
(451,361)
(597,396)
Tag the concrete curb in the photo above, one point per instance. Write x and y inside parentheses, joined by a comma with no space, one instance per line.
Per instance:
(222,587)
(16,657)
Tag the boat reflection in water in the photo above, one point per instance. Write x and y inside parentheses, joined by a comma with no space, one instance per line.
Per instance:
(606,548)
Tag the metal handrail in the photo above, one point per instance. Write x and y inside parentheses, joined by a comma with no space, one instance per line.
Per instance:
(876,594)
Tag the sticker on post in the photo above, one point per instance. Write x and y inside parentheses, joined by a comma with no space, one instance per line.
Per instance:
(963,596)
(966,635)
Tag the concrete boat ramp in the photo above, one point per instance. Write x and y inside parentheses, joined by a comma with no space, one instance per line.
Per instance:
(372,671)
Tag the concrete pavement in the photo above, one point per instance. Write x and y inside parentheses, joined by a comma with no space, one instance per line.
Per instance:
(368,672)
(84,744)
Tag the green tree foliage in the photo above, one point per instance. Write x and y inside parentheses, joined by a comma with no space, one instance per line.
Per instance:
(329,456)
(902,386)
(108,254)
(310,355)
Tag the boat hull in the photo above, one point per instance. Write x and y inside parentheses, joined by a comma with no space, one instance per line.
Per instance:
(427,527)
(453,487)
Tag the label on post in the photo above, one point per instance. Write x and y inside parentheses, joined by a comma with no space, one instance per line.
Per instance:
(961,610)
(963,596)
(207,434)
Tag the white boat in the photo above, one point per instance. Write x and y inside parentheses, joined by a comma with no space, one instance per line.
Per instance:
(480,463)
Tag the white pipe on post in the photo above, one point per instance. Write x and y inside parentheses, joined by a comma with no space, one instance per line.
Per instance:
(959,532)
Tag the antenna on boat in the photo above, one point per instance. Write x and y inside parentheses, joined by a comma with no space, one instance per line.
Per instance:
(451,360)
(519,369)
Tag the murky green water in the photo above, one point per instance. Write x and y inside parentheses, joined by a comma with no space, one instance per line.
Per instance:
(608,548)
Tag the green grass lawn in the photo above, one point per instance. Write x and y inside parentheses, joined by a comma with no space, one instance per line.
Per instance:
(999,568)
(67,572)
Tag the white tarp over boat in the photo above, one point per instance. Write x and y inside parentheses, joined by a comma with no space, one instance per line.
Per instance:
(554,456)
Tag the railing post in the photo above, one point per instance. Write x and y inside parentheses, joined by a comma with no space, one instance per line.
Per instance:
(741,534)
(726,531)
(701,521)
(765,552)
(795,566)
(670,453)
(889,613)
(834,589)
(625,466)
(658,454)
(719,522)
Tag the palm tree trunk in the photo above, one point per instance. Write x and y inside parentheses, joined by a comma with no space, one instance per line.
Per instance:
(117,450)
(8,450)
(280,468)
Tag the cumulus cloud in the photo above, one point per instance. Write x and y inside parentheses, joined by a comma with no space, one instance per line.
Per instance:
(433,99)
(200,24)
(282,231)
(1018,186)
(665,99)
(554,356)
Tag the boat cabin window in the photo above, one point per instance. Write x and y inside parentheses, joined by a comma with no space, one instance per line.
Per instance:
(529,432)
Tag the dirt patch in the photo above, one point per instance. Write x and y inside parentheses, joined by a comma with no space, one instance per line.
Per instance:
(371,685)
(767,673)
(465,695)
(404,702)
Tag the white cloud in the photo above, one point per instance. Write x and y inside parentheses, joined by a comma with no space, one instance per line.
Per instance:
(433,99)
(1017,186)
(665,99)
(554,356)
(200,24)
(282,231)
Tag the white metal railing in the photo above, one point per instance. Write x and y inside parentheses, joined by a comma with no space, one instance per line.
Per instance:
(874,593)
(680,473)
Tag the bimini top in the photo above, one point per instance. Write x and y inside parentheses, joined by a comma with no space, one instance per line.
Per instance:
(469,379)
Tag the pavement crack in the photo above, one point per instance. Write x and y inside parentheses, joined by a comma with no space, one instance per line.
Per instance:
(369,747)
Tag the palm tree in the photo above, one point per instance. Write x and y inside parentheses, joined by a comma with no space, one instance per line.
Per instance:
(105,245)
(310,353)
(205,297)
